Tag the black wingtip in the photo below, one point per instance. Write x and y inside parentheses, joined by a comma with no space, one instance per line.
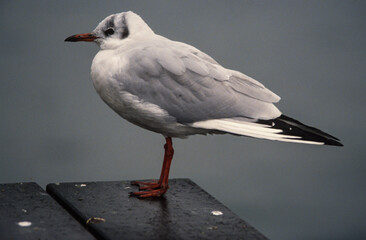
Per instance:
(292,127)
(331,142)
(312,133)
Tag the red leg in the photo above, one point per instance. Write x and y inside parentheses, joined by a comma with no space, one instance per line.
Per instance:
(143,185)
(157,188)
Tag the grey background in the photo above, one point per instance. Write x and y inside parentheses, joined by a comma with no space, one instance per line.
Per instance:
(54,127)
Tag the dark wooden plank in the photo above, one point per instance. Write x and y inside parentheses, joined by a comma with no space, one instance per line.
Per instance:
(185,212)
(28,212)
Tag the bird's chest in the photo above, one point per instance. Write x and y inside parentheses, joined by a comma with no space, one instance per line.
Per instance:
(109,78)
(104,71)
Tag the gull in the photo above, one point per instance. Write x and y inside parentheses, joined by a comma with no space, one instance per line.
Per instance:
(174,89)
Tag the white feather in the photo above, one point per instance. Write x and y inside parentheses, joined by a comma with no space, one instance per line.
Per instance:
(249,129)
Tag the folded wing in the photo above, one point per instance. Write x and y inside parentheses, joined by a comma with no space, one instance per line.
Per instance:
(192,87)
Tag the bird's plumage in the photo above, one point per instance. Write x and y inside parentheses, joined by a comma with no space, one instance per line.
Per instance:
(175,89)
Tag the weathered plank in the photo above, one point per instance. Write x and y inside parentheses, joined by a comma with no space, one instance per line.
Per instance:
(185,212)
(28,212)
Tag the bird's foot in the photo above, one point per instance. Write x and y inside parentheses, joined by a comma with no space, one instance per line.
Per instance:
(147,185)
(153,189)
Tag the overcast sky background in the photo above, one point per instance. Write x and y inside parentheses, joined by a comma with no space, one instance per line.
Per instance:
(55,128)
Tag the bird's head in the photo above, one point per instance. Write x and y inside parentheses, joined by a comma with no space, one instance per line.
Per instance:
(115,29)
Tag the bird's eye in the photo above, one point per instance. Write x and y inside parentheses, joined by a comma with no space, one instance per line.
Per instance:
(109,31)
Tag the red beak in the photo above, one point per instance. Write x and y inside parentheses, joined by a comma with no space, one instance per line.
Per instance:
(85,37)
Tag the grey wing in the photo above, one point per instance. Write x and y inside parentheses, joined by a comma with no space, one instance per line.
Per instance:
(191,87)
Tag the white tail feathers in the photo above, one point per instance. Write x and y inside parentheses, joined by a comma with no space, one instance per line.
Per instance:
(250,129)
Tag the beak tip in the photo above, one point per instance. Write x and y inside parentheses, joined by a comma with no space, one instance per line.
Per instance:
(72,38)
(69,39)
(86,37)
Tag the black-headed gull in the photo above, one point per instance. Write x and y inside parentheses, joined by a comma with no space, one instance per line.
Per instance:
(176,90)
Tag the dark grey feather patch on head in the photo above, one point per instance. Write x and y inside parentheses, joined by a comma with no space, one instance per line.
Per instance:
(125,31)
(110,23)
